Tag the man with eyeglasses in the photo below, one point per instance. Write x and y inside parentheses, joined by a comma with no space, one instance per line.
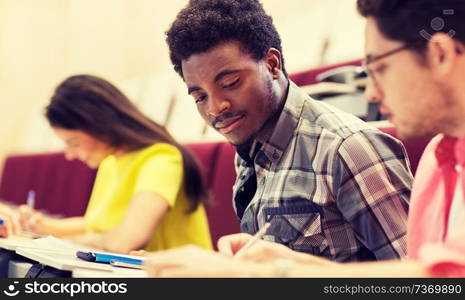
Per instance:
(418,77)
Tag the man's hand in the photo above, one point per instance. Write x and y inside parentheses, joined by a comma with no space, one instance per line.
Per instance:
(230,244)
(263,251)
(192,261)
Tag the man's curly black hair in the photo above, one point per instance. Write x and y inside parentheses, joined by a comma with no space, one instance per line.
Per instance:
(203,24)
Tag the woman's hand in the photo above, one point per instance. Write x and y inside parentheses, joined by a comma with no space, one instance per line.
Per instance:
(31,220)
(11,225)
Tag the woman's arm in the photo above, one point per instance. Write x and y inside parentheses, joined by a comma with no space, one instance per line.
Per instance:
(28,219)
(60,227)
(39,223)
(144,213)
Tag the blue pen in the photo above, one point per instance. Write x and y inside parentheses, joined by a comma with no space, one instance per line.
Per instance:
(1,222)
(31,199)
(107,258)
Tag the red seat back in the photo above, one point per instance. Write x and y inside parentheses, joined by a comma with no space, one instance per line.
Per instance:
(62,187)
(217,160)
(309,77)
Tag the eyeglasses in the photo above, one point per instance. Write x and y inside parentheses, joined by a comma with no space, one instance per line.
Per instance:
(367,61)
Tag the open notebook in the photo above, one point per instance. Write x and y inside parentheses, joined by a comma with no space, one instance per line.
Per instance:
(56,253)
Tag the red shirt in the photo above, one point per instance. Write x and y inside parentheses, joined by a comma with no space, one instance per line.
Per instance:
(432,196)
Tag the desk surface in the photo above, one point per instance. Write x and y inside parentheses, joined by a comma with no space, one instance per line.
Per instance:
(14,242)
(115,273)
(62,260)
(60,257)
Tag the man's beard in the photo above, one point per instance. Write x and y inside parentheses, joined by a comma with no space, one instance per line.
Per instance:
(276,109)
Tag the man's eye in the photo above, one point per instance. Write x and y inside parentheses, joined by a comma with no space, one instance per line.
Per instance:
(200,99)
(228,85)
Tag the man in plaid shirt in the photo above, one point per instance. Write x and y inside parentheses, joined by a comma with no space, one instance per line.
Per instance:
(330,184)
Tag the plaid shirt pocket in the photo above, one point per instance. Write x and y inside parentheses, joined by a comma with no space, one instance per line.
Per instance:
(299,228)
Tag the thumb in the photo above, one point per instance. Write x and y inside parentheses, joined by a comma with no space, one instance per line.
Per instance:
(230,244)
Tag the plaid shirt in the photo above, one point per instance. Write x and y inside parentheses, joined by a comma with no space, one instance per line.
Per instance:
(331,185)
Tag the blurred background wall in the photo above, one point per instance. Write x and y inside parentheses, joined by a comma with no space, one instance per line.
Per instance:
(44,41)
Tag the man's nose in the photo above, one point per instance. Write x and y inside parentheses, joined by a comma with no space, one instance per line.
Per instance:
(372,92)
(218,106)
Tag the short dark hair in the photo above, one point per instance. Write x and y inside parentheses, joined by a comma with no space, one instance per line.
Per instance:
(405,20)
(203,24)
(98,108)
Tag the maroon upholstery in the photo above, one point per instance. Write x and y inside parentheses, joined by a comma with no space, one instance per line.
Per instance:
(217,161)
(309,77)
(414,148)
(62,187)
(221,215)
(205,154)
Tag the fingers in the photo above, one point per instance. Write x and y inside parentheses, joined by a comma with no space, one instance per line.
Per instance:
(263,251)
(230,244)
(10,224)
(28,218)
(196,262)
(157,268)
(139,253)
(25,213)
(5,226)
(15,225)
(257,253)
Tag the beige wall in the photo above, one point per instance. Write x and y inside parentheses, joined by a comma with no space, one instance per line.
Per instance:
(43,41)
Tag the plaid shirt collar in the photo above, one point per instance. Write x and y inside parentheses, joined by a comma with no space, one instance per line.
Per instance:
(282,133)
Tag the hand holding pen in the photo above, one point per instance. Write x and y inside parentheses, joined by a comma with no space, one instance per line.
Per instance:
(9,224)
(29,217)
(255,238)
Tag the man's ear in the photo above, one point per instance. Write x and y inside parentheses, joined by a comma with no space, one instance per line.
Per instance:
(273,62)
(442,55)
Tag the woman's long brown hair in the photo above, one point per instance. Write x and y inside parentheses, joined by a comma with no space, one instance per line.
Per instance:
(95,106)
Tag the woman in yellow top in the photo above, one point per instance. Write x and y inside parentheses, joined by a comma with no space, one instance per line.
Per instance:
(148,193)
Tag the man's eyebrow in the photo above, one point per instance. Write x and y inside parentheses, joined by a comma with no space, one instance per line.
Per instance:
(224,73)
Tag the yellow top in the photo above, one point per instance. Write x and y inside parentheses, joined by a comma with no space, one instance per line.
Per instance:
(159,169)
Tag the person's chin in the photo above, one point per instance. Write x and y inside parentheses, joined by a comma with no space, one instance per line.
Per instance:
(240,141)
(91,164)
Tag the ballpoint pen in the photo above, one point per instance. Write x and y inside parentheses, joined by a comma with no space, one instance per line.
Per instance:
(31,199)
(30,202)
(257,236)
(107,258)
